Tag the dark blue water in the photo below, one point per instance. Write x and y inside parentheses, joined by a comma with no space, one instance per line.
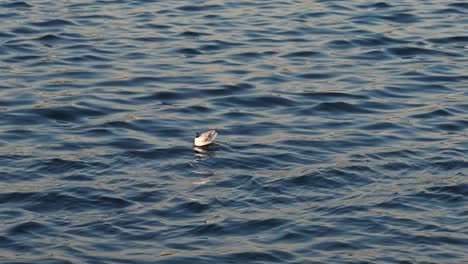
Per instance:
(343,131)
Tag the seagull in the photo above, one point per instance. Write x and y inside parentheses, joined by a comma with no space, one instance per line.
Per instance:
(205,138)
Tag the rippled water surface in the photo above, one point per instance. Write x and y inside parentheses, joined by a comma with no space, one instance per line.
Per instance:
(343,131)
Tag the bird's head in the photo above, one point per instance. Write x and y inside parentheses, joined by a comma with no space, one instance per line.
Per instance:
(197,135)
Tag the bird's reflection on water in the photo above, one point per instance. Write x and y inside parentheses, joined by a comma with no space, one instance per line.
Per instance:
(203,153)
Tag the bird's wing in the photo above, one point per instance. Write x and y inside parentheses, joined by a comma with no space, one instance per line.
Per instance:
(207,136)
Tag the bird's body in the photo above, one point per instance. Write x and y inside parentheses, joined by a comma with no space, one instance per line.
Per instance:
(205,138)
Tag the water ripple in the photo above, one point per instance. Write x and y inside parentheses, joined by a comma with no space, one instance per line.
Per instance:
(343,132)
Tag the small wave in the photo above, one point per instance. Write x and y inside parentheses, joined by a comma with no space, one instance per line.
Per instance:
(382,126)
(273,79)
(372,55)
(193,109)
(458,189)
(378,5)
(316,181)
(53,201)
(211,47)
(265,128)
(88,18)
(68,113)
(51,38)
(22,48)
(58,166)
(402,18)
(341,107)
(461,5)
(332,95)
(302,54)
(436,196)
(245,116)
(156,26)
(240,226)
(164,96)
(151,196)
(18,5)
(450,165)
(434,113)
(30,229)
(199,8)
(193,34)
(341,44)
(147,80)
(413,51)
(22,58)
(318,75)
(378,40)
(454,39)
(225,90)
(53,23)
(399,204)
(183,210)
(6,35)
(275,256)
(256,101)
(339,245)
(250,56)
(127,143)
(449,11)
(153,39)
(25,30)
(189,51)
(441,78)
(453,126)
(155,154)
(86,58)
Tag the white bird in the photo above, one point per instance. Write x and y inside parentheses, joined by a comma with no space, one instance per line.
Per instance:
(205,138)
